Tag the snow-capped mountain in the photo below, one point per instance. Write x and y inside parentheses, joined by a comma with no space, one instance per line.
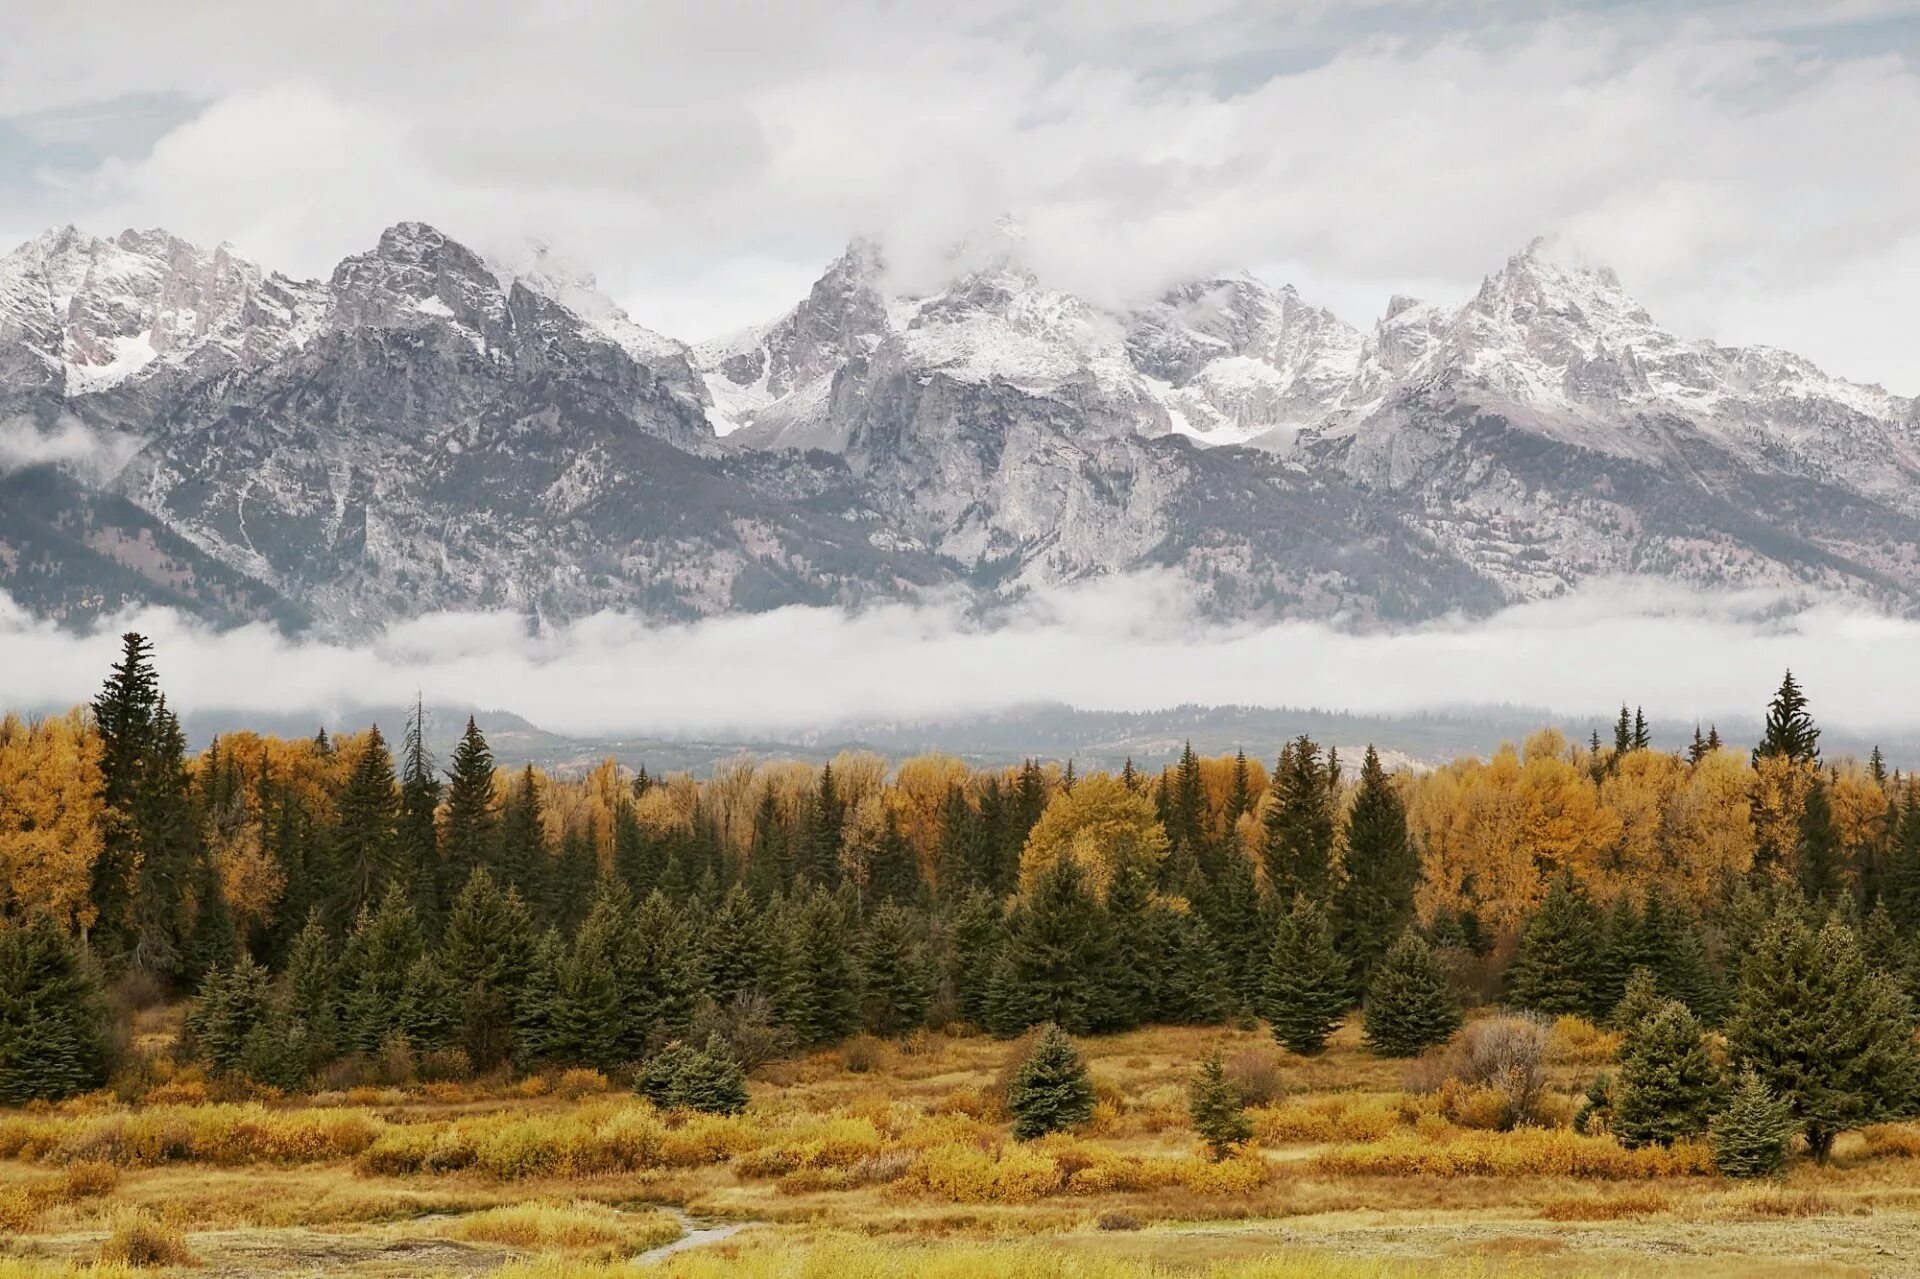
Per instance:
(429,428)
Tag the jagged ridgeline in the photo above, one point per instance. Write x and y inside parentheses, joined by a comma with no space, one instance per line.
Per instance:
(430,429)
(346,907)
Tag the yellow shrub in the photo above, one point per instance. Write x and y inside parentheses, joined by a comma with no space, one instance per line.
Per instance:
(1242,1174)
(19,1209)
(1337,1117)
(1575,1041)
(140,1239)
(967,1174)
(577,1083)
(1524,1152)
(579,1226)
(1898,1140)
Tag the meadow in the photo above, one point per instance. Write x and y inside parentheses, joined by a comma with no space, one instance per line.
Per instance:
(894,1157)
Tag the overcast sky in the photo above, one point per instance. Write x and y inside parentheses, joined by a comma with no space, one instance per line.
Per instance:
(1748,166)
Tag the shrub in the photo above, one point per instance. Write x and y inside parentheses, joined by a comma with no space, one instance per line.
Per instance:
(1256,1073)
(751,1027)
(445,1065)
(1526,1152)
(579,1082)
(1117,1221)
(968,1174)
(88,1179)
(139,1239)
(862,1054)
(1499,1062)
(580,1226)
(1050,1090)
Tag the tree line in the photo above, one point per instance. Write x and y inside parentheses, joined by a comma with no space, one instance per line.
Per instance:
(326,901)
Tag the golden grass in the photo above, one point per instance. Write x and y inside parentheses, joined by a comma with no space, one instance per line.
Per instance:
(578,1226)
(844,1258)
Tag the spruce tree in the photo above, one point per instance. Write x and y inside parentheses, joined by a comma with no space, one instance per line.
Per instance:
(469,837)
(1820,858)
(1191,987)
(366,831)
(1902,890)
(536,1023)
(1829,1035)
(526,865)
(975,939)
(1307,991)
(417,837)
(819,992)
(1410,1004)
(53,1015)
(710,1081)
(1299,824)
(739,954)
(1050,1090)
(1668,1086)
(1641,1000)
(1374,903)
(595,1021)
(379,953)
(1554,970)
(893,871)
(1054,966)
(1789,730)
(659,1078)
(231,1003)
(965,851)
(433,1013)
(124,716)
(1215,1107)
(896,979)
(485,951)
(663,968)
(312,995)
(1139,949)
(1750,1136)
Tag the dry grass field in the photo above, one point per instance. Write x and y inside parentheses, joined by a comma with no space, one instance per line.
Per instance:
(883,1159)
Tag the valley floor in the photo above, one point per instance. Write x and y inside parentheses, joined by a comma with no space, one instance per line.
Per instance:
(881,1160)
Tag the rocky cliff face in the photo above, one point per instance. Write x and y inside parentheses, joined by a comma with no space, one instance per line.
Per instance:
(429,429)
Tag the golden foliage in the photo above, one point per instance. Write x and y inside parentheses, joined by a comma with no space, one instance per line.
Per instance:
(50,814)
(1101,825)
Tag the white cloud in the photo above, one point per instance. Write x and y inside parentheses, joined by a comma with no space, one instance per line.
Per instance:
(1121,644)
(1743,165)
(94,454)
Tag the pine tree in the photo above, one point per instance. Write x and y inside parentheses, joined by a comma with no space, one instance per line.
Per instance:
(819,994)
(536,1024)
(1622,735)
(366,831)
(525,862)
(1410,1004)
(1640,1001)
(895,975)
(710,1081)
(739,955)
(663,969)
(312,995)
(1053,967)
(484,953)
(659,1079)
(1830,1036)
(1820,857)
(595,1022)
(469,840)
(1554,970)
(1642,738)
(1669,1085)
(53,1015)
(1215,1107)
(1902,890)
(1789,729)
(1139,948)
(1307,991)
(1374,903)
(1697,749)
(432,1013)
(1191,986)
(124,715)
(893,872)
(1050,1091)
(232,1002)
(1750,1136)
(417,838)
(975,939)
(379,953)
(1299,824)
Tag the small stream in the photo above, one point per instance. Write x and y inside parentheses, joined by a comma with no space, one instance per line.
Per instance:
(700,1232)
